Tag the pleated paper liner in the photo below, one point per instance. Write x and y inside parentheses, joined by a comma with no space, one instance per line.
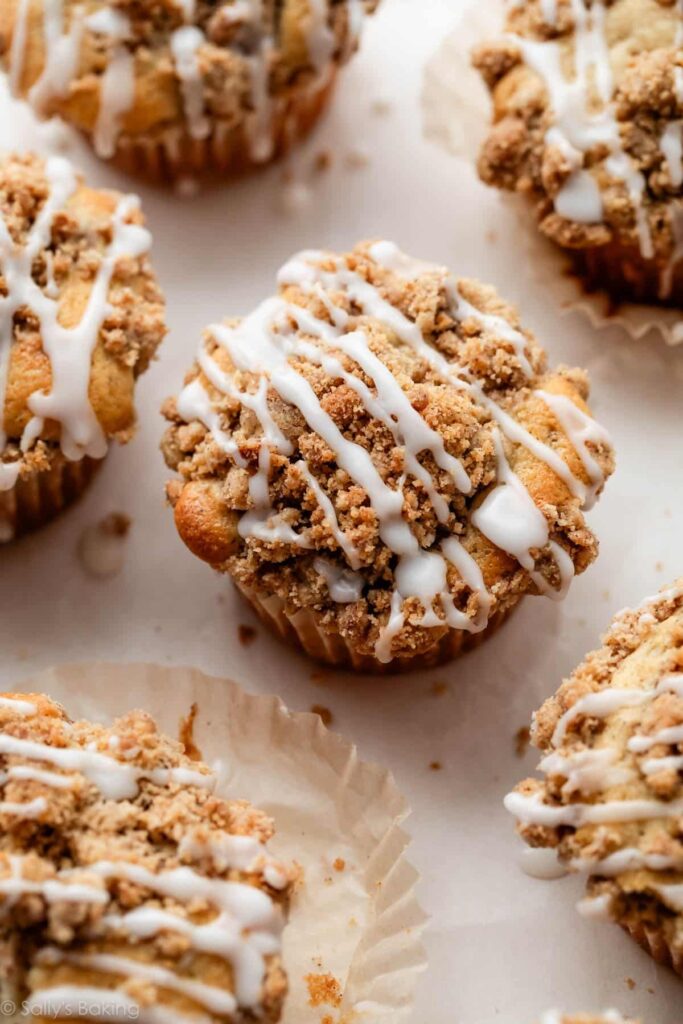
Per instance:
(456,110)
(361,925)
(41,496)
(173,154)
(302,630)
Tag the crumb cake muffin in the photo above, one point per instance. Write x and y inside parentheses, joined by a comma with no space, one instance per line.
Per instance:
(382,460)
(172,87)
(81,316)
(611,801)
(588,124)
(127,887)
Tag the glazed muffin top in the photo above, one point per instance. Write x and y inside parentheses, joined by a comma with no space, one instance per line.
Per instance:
(81,314)
(611,799)
(588,102)
(124,882)
(140,67)
(385,446)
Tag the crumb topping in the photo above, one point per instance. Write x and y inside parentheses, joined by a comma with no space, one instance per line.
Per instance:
(361,445)
(610,802)
(588,116)
(81,314)
(124,881)
(133,68)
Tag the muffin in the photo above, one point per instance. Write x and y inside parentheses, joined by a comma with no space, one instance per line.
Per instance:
(81,316)
(181,86)
(127,888)
(588,101)
(380,458)
(611,799)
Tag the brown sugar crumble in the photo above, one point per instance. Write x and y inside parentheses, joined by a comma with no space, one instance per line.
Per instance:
(323,989)
(186,734)
(522,740)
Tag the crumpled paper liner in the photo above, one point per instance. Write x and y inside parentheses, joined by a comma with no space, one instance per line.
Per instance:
(456,111)
(362,925)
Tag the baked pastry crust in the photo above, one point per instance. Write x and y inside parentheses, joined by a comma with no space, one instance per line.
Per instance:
(181,86)
(358,448)
(82,316)
(588,125)
(125,883)
(611,799)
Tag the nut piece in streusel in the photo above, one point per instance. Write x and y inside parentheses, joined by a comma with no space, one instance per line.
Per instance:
(610,802)
(81,316)
(181,87)
(127,887)
(382,460)
(587,124)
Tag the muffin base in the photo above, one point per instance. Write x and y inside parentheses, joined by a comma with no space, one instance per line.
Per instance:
(37,499)
(654,941)
(627,277)
(226,152)
(301,630)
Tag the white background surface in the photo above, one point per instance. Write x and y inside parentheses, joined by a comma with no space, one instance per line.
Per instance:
(502,947)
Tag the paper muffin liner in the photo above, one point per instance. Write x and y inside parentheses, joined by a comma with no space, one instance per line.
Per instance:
(227,151)
(355,917)
(303,631)
(654,941)
(456,111)
(39,497)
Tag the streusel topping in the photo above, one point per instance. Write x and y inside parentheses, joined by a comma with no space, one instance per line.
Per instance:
(146,65)
(611,800)
(588,121)
(386,446)
(125,883)
(81,314)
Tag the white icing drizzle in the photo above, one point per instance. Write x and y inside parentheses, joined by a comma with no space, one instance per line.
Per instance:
(264,344)
(542,863)
(578,128)
(581,430)
(344,586)
(185,42)
(672,148)
(117,86)
(69,349)
(19,706)
(31,809)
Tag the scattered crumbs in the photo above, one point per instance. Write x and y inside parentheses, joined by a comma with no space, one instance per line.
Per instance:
(438,689)
(324,713)
(606,596)
(381,106)
(323,989)
(327,880)
(651,991)
(317,960)
(353,923)
(186,734)
(318,677)
(339,864)
(322,161)
(491,235)
(246,635)
(659,566)
(631,983)
(186,187)
(357,159)
(435,766)
(522,738)
(101,548)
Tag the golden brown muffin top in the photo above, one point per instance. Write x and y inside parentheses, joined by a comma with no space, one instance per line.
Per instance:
(611,800)
(139,67)
(124,881)
(385,446)
(588,119)
(81,314)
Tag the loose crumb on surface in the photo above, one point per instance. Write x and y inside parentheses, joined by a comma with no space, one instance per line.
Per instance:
(246,634)
(325,714)
(339,864)
(322,161)
(522,738)
(318,677)
(435,766)
(323,989)
(101,548)
(381,106)
(631,983)
(357,159)
(439,689)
